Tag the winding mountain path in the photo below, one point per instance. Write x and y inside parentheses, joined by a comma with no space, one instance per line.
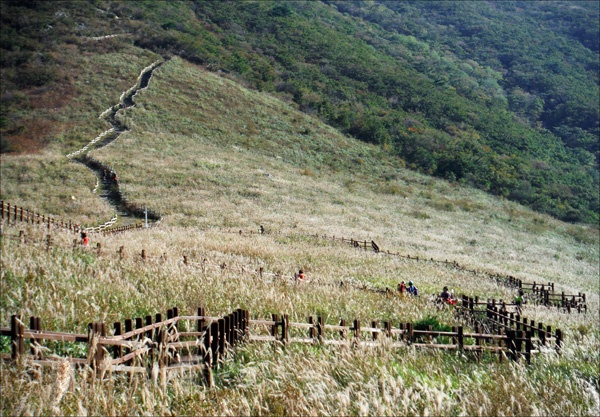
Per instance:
(108,186)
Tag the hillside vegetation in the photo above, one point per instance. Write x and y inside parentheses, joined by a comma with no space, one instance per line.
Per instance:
(218,158)
(498,95)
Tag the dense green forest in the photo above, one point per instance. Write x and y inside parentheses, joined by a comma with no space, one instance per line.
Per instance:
(502,96)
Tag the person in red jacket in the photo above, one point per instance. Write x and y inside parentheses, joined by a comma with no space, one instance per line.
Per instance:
(85,241)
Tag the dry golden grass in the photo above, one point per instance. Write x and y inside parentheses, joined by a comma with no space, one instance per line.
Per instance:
(215,158)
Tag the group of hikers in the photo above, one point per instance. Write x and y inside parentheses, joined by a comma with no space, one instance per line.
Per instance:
(110,176)
(408,289)
(446,297)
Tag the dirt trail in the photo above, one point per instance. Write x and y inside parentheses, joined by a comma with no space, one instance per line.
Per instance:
(109,187)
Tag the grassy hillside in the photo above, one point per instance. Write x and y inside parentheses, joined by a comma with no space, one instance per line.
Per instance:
(431,85)
(216,158)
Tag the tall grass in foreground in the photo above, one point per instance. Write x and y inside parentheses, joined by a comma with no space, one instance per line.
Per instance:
(303,380)
(68,288)
(214,159)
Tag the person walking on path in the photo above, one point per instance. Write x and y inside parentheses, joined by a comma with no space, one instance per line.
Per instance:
(412,290)
(85,241)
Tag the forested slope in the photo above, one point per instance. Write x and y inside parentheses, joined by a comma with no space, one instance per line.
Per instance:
(499,95)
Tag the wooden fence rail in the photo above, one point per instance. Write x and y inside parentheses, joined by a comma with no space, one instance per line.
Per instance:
(13,214)
(538,293)
(201,341)
(498,318)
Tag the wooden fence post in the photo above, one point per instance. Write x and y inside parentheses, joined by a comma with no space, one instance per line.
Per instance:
(312,331)
(214,343)
(128,328)
(459,338)
(343,333)
(246,324)
(285,332)
(229,331)
(222,337)
(519,342)
(34,326)
(375,247)
(22,236)
(455,338)
(528,346)
(157,336)
(357,330)
(321,329)
(275,319)
(98,330)
(206,345)
(478,343)
(410,332)
(139,323)
(201,325)
(374,335)
(99,249)
(121,252)
(118,349)
(150,335)
(511,344)
(541,333)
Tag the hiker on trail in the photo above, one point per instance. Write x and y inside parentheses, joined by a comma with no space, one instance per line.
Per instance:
(446,297)
(412,290)
(85,241)
(402,288)
(519,300)
(300,276)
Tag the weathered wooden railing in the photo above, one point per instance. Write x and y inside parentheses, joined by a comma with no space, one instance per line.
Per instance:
(202,342)
(497,317)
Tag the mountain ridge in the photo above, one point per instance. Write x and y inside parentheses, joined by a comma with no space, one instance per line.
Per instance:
(331,65)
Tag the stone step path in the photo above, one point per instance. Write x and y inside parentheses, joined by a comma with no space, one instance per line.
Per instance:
(108,188)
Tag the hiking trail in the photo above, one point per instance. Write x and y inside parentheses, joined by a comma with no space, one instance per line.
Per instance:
(108,186)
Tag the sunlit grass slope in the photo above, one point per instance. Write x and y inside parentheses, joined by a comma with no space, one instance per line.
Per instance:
(208,153)
(47,181)
(214,159)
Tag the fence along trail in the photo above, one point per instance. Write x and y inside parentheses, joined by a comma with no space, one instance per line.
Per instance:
(538,293)
(108,186)
(203,343)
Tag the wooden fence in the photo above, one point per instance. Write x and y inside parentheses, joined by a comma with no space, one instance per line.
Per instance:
(497,317)
(202,342)
(13,214)
(136,345)
(538,293)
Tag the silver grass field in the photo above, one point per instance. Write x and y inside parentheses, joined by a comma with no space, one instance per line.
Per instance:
(218,161)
